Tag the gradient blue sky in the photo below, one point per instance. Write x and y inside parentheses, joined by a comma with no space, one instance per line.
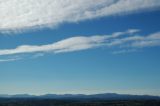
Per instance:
(95,70)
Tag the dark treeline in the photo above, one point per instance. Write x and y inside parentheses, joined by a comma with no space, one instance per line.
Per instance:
(51,102)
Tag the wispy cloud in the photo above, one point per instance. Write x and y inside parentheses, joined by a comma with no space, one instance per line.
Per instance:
(9,59)
(137,41)
(19,15)
(124,51)
(37,55)
(129,39)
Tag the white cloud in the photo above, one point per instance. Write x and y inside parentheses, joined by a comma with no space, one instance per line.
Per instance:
(70,44)
(38,55)
(137,41)
(9,59)
(128,39)
(151,40)
(124,51)
(19,15)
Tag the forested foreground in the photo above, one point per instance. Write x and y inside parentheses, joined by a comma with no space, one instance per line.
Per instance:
(50,102)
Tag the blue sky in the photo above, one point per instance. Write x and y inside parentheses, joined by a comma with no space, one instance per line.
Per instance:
(108,50)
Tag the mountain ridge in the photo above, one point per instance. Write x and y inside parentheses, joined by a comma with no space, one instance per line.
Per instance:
(102,96)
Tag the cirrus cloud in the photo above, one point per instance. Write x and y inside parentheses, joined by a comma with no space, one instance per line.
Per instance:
(129,39)
(19,15)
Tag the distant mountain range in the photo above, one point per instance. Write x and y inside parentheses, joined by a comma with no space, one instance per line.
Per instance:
(105,96)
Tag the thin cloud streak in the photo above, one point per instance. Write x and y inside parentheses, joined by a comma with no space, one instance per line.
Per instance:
(21,15)
(127,39)
(9,59)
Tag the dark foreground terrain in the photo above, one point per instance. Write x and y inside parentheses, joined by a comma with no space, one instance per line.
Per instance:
(53,102)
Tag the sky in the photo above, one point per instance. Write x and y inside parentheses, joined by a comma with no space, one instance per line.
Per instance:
(79,46)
